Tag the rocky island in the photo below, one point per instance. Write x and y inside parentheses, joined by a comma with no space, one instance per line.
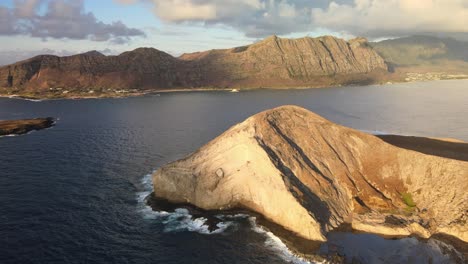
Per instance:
(23,126)
(311,176)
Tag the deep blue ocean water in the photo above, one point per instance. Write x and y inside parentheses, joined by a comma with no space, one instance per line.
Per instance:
(74,193)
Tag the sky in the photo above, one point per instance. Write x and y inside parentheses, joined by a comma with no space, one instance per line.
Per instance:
(64,27)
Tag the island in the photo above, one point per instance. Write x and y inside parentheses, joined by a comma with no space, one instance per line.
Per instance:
(311,176)
(23,126)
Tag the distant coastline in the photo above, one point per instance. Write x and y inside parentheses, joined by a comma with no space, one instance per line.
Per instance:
(274,63)
(130,93)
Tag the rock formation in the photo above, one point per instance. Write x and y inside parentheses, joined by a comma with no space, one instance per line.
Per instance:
(311,176)
(23,126)
(273,62)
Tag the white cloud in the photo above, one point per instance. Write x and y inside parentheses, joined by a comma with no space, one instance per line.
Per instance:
(394,17)
(203,10)
(254,17)
(180,10)
(60,19)
(286,10)
(372,18)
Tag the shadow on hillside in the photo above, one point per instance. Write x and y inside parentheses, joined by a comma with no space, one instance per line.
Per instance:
(435,147)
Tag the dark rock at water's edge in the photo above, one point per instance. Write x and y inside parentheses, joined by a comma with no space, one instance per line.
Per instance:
(23,126)
(297,243)
(299,246)
(344,244)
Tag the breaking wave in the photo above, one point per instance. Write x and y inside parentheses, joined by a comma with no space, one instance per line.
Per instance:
(23,98)
(182,220)
(273,242)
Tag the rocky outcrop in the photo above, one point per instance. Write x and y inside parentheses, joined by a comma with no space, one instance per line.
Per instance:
(311,176)
(23,126)
(272,62)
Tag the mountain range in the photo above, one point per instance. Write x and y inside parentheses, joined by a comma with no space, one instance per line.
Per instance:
(273,62)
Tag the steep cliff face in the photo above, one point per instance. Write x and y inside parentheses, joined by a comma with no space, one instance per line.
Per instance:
(271,62)
(310,175)
(276,61)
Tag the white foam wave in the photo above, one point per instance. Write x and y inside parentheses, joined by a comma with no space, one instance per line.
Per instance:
(33,100)
(147,182)
(23,98)
(18,135)
(177,221)
(146,210)
(182,220)
(10,135)
(273,242)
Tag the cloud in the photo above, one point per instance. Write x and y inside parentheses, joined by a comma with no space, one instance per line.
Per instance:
(180,10)
(371,18)
(255,18)
(60,19)
(377,18)
(12,56)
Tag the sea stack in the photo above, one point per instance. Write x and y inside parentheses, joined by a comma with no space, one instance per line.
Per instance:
(311,176)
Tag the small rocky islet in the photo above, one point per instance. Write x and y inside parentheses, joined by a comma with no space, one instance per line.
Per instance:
(313,177)
(23,126)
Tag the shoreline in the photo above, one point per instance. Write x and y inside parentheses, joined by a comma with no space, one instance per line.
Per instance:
(299,247)
(202,89)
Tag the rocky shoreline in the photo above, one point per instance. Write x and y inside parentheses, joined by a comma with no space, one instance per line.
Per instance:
(298,246)
(23,126)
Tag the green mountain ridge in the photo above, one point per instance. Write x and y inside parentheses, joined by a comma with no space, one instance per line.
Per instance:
(422,50)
